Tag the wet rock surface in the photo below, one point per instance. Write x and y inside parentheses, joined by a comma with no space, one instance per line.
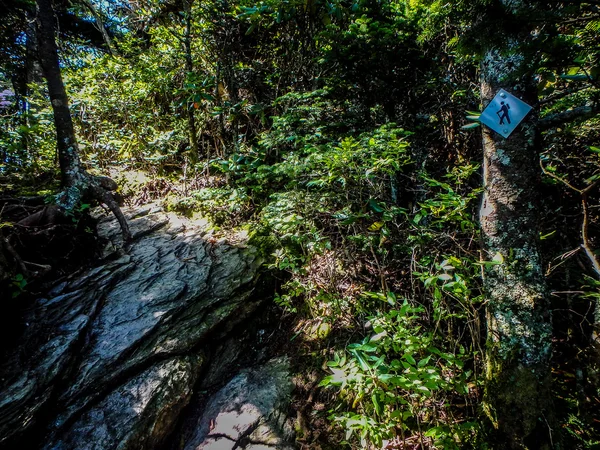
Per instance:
(111,357)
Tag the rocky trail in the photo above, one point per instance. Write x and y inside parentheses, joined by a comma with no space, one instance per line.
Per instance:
(166,345)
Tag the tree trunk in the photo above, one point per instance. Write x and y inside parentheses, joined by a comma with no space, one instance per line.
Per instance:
(77,182)
(518,319)
(68,156)
(189,67)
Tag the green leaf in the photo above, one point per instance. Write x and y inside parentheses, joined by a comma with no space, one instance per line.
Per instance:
(577,77)
(410,359)
(361,361)
(374,206)
(546,236)
(368,348)
(423,362)
(423,388)
(498,258)
(377,404)
(391,298)
(470,126)
(593,178)
(376,226)
(378,336)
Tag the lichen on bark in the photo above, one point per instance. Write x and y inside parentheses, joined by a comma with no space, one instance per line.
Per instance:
(518,319)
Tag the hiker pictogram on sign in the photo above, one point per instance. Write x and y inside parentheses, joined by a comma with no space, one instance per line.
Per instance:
(504,113)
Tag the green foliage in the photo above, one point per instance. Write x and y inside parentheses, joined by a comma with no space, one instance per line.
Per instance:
(223,206)
(18,283)
(320,188)
(123,112)
(387,379)
(27,137)
(408,361)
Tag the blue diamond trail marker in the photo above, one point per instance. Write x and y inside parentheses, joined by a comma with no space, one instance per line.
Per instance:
(504,113)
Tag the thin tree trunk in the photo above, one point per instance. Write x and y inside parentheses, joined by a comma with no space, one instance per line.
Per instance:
(219,103)
(100,26)
(78,183)
(189,67)
(68,155)
(518,319)
(29,73)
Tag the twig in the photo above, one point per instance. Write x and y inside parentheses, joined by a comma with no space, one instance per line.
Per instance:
(565,182)
(585,244)
(549,431)
(10,249)
(562,94)
(100,25)
(384,286)
(584,235)
(564,258)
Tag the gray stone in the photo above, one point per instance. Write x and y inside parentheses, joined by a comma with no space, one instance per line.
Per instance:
(138,414)
(248,413)
(111,355)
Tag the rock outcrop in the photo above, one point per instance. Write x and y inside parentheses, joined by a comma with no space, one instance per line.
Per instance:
(249,413)
(111,357)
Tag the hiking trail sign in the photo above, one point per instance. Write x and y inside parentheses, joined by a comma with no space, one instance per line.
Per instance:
(504,113)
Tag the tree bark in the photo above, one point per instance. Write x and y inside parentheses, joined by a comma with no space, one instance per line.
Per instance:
(78,184)
(189,67)
(517,396)
(68,155)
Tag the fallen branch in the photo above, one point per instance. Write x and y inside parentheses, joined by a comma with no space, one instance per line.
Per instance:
(558,119)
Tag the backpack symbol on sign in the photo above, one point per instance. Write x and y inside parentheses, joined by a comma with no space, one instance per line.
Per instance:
(504,110)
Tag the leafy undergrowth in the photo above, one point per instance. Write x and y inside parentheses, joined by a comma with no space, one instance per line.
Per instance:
(378,250)
(381,272)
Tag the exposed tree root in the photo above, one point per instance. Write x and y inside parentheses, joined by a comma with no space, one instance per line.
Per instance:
(41,242)
(83,187)
(7,246)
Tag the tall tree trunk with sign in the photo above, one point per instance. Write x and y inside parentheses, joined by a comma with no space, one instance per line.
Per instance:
(518,319)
